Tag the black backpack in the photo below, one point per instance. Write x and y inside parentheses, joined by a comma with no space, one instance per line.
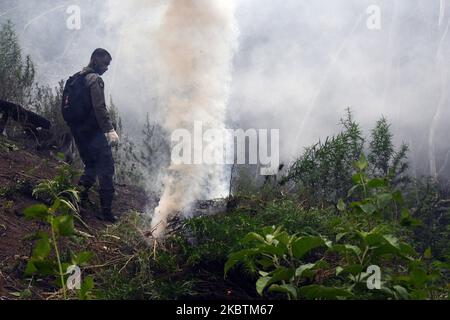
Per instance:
(76,101)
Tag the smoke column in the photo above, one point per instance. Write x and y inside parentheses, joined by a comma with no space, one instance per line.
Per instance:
(196,43)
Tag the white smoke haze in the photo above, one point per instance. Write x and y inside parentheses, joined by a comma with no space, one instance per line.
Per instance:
(298,66)
(196,42)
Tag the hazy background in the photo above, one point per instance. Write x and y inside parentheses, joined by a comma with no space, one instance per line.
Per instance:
(299,65)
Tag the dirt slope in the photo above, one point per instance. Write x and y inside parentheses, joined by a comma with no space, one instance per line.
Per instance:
(21,168)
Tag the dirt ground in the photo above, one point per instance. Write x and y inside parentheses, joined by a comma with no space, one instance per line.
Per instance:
(22,168)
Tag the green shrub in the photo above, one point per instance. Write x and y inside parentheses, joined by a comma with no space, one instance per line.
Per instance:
(313,267)
(323,173)
(60,220)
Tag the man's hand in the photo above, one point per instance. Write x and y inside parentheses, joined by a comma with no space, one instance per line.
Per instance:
(112,137)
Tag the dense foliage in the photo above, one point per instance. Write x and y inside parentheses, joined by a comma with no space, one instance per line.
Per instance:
(345,215)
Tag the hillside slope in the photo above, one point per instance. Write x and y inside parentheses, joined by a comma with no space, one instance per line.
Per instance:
(21,169)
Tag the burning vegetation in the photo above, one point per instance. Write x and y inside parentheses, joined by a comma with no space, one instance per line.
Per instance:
(346,220)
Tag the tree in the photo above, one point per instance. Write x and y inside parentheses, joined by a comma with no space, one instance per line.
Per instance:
(16,74)
(323,172)
(155,153)
(383,158)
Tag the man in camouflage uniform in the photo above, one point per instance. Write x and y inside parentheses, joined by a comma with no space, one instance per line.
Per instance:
(96,135)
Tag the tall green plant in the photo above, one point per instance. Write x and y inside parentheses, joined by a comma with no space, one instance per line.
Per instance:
(383,158)
(323,172)
(46,259)
(16,74)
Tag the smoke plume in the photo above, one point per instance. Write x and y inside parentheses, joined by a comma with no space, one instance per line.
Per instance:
(196,42)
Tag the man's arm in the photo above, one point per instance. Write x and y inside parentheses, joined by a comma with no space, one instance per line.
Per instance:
(98,103)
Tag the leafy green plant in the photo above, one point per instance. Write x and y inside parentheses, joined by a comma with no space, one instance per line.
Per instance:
(384,159)
(277,257)
(307,266)
(16,73)
(312,267)
(373,196)
(7,146)
(49,190)
(46,258)
(374,248)
(323,173)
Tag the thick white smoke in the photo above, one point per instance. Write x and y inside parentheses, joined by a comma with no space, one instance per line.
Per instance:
(299,63)
(196,42)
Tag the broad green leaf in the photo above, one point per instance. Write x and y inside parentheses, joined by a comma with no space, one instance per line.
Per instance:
(428,254)
(377,239)
(261,284)
(277,250)
(385,250)
(356,178)
(281,274)
(362,234)
(56,205)
(268,230)
(86,286)
(304,245)
(343,249)
(393,241)
(254,236)
(30,268)
(341,206)
(368,208)
(39,211)
(377,183)
(64,225)
(82,258)
(354,269)
(362,163)
(265,262)
(284,288)
(402,292)
(45,268)
(42,249)
(299,271)
(321,292)
(339,236)
(284,238)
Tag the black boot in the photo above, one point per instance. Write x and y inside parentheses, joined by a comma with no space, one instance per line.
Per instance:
(106,198)
(84,197)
